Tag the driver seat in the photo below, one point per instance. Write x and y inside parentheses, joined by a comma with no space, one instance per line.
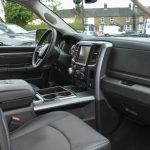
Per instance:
(53,131)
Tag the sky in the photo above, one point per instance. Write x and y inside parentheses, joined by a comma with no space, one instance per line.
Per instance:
(68,4)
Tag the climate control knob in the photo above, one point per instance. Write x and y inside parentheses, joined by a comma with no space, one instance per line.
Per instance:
(82,70)
(82,76)
(78,72)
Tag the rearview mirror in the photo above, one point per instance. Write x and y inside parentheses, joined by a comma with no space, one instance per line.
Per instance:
(90,1)
(86,1)
(39,34)
(77,1)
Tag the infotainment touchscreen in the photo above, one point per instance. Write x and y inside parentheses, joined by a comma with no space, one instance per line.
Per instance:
(83,55)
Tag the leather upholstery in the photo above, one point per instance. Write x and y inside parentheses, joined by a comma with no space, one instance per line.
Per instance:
(53,131)
(4,135)
(58,131)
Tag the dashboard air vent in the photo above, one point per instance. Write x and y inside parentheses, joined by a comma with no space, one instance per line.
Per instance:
(95,51)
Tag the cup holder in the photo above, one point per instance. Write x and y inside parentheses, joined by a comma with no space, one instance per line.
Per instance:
(59,90)
(51,90)
(50,96)
(55,93)
(65,94)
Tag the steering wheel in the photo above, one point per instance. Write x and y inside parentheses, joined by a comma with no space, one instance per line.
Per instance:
(45,50)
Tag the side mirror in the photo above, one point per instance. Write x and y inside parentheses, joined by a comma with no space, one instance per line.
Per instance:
(1,44)
(86,1)
(39,34)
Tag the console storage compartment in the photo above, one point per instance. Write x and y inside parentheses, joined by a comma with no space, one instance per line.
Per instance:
(15,94)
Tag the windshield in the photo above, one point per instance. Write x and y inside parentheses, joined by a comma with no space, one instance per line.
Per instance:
(16,29)
(104,18)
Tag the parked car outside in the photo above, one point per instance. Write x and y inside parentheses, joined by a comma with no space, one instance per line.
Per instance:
(14,35)
(92,33)
(112,30)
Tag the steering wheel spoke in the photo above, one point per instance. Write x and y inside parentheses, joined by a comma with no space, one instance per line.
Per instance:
(38,61)
(43,52)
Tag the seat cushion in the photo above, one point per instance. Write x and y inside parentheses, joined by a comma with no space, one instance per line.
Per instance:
(58,131)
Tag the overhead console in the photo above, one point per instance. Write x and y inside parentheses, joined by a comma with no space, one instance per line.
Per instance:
(85,58)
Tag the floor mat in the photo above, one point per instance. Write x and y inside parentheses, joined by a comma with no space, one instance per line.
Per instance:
(131,136)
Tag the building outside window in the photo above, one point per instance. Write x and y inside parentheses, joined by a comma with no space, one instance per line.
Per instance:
(101,27)
(111,20)
(140,27)
(86,20)
(102,20)
(128,27)
(128,19)
(141,19)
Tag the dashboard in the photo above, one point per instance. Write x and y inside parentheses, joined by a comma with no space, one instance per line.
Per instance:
(84,56)
(118,68)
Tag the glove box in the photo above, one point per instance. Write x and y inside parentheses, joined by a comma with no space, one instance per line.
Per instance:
(15,94)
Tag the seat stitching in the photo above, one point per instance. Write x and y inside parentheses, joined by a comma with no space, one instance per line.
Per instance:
(62,134)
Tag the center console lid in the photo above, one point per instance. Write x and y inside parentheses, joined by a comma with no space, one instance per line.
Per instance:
(15,93)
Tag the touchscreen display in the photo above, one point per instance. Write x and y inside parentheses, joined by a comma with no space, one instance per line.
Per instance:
(83,54)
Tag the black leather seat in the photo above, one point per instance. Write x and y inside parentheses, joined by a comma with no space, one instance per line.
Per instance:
(56,131)
(34,87)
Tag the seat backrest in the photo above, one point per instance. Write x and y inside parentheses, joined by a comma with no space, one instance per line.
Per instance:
(4,133)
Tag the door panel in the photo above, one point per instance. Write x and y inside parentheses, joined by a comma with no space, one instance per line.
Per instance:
(16,63)
(127,83)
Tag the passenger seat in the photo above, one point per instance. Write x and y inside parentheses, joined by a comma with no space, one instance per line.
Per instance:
(53,131)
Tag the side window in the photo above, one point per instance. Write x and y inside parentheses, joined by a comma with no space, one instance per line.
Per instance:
(18,25)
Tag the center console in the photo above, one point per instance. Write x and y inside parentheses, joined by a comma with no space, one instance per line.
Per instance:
(58,96)
(15,94)
(84,64)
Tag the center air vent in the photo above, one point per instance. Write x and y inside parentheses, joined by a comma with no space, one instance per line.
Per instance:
(96,49)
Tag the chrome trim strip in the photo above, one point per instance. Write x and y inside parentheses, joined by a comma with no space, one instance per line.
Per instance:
(63,102)
(65,97)
(39,101)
